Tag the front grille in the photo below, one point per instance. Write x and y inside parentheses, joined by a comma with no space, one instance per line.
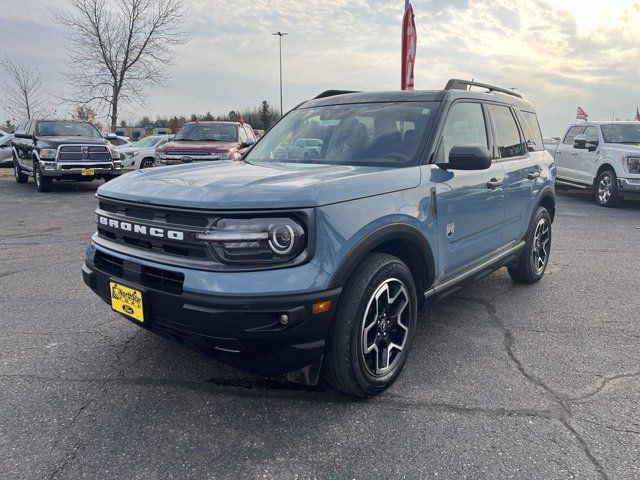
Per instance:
(188,223)
(188,153)
(84,153)
(150,277)
(106,166)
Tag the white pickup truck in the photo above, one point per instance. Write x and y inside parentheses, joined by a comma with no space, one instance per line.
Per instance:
(602,156)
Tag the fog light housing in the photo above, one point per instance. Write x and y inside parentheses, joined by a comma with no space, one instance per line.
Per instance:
(49,166)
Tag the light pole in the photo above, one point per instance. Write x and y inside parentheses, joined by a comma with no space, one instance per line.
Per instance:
(280,35)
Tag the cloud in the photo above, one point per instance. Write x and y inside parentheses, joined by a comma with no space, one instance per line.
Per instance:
(550,50)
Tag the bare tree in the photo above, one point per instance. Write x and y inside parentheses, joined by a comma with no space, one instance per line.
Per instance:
(24,96)
(119,48)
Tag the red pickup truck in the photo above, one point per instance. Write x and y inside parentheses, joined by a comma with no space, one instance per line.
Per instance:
(205,141)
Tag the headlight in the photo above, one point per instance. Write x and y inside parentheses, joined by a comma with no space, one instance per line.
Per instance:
(256,240)
(130,154)
(631,164)
(115,154)
(48,153)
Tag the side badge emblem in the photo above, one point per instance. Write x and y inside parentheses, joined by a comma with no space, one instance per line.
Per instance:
(451,229)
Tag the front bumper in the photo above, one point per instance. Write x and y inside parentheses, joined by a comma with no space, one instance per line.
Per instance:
(245,332)
(52,168)
(629,186)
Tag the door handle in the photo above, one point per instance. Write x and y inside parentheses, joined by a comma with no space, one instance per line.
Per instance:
(533,175)
(494,183)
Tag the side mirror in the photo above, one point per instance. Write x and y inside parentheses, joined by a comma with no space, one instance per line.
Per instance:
(247,144)
(580,141)
(531,146)
(592,146)
(23,135)
(468,157)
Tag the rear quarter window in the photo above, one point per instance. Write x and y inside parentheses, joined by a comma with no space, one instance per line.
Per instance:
(532,130)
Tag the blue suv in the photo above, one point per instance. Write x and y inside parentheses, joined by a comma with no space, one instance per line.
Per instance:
(302,264)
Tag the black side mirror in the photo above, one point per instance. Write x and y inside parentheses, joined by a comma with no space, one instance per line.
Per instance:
(468,157)
(580,141)
(247,144)
(531,145)
(592,146)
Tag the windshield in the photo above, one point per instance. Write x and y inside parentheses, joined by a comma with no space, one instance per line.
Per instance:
(146,142)
(58,128)
(621,133)
(373,134)
(203,132)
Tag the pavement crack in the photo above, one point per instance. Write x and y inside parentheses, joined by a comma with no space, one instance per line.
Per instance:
(585,448)
(611,427)
(604,382)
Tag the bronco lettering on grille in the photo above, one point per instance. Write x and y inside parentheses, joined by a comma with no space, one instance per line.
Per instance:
(140,229)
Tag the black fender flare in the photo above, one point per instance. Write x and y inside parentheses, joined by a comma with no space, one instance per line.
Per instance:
(394,231)
(548,194)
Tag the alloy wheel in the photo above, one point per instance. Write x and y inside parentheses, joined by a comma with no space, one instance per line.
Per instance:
(541,245)
(16,169)
(604,189)
(384,331)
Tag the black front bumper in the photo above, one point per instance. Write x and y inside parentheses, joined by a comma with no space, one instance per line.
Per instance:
(243,332)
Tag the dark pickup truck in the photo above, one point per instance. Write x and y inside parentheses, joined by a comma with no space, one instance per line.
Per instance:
(62,150)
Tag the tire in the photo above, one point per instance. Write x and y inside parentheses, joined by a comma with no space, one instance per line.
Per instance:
(21,177)
(146,163)
(43,184)
(381,282)
(606,189)
(534,258)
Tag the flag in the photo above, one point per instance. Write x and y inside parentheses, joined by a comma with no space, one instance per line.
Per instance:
(582,115)
(409,40)
(637,115)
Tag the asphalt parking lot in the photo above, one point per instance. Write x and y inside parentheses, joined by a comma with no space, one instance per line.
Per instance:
(504,381)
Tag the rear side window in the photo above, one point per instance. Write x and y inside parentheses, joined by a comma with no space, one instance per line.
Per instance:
(21,128)
(508,138)
(532,130)
(571,134)
(464,126)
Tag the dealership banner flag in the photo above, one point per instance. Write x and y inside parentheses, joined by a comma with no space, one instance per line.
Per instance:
(637,115)
(409,40)
(581,115)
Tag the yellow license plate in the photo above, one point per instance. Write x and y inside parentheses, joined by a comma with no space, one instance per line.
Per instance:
(88,171)
(127,301)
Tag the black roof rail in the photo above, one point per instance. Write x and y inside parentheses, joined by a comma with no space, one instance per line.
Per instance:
(333,93)
(457,84)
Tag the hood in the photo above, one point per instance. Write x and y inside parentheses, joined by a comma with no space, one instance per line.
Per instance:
(213,147)
(238,185)
(56,141)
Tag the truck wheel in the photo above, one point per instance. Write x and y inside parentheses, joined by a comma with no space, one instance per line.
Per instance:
(534,258)
(371,335)
(606,189)
(43,184)
(21,177)
(147,163)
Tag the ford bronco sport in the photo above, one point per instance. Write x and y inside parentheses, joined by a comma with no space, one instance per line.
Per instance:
(62,150)
(320,265)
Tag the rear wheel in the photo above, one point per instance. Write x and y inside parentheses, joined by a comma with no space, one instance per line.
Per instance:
(43,184)
(371,335)
(534,258)
(21,177)
(606,189)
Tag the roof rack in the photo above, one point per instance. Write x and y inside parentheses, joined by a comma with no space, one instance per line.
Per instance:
(333,93)
(457,84)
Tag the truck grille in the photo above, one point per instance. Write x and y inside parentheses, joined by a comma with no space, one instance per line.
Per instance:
(154,278)
(84,153)
(188,153)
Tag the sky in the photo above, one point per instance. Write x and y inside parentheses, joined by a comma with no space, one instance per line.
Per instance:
(559,54)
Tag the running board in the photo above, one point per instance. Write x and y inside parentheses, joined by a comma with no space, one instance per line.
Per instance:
(475,273)
(569,183)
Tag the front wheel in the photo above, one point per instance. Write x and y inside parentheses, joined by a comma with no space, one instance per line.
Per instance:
(147,163)
(372,332)
(43,184)
(534,258)
(606,189)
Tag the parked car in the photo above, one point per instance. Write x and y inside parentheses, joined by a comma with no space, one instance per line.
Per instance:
(142,153)
(205,141)
(603,157)
(6,157)
(307,266)
(62,150)
(118,140)
(307,148)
